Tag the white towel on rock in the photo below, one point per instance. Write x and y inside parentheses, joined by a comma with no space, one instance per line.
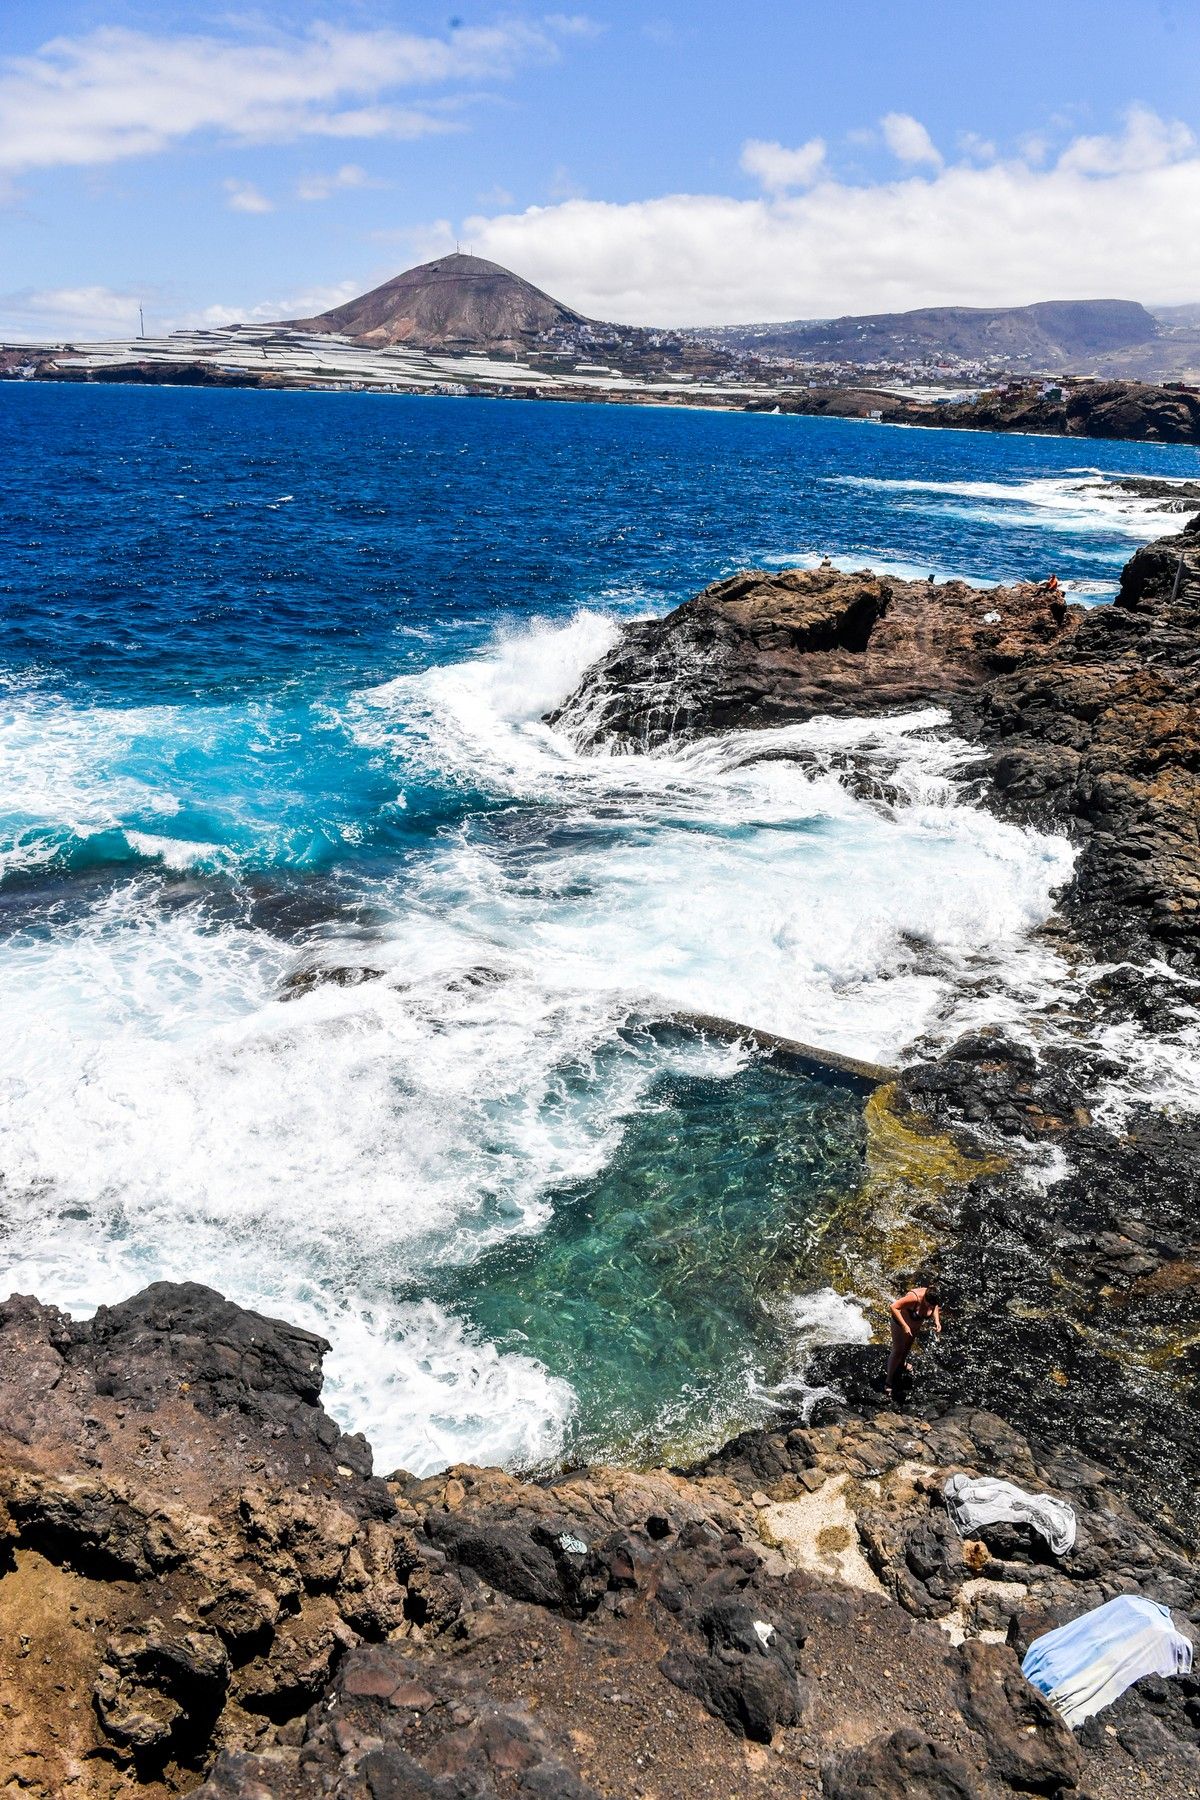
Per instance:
(975,1500)
(1086,1665)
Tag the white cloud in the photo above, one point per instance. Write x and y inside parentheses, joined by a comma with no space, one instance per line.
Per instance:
(778,169)
(48,315)
(115,93)
(563,185)
(244,197)
(1147,142)
(1006,232)
(305,305)
(321,187)
(908,140)
(980,148)
(84,314)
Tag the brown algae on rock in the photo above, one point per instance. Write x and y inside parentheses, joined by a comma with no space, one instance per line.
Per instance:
(903,1207)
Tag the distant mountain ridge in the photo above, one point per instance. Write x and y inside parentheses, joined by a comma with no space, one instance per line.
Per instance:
(461,303)
(1050,333)
(456,302)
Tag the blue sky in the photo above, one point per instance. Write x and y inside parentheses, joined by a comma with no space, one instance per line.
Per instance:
(698,163)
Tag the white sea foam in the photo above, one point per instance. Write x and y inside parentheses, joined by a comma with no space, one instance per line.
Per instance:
(178,853)
(65,774)
(167,1113)
(827,1317)
(885,564)
(737,875)
(1077,502)
(817,1319)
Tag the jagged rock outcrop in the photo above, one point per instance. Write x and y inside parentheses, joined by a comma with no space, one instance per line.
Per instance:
(1169,496)
(1102,734)
(1076,1304)
(195,1585)
(770,649)
(184,1531)
(1090,716)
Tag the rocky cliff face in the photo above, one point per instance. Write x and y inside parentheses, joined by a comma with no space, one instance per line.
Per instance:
(771,649)
(203,1582)
(1102,734)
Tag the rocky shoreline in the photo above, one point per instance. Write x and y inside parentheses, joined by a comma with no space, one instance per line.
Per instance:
(1134,411)
(206,1588)
(1088,716)
(204,1585)
(1086,722)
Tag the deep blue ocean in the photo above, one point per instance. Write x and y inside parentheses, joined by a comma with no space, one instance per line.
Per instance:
(328,970)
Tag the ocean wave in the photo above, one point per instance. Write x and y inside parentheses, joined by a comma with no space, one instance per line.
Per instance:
(852,562)
(1078,502)
(178,1104)
(638,880)
(178,853)
(190,788)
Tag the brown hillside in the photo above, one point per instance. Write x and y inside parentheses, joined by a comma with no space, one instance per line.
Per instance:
(457,302)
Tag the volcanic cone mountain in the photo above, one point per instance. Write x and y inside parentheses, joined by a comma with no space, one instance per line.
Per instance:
(456,303)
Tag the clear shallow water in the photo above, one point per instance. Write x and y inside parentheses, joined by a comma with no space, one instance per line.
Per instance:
(272,670)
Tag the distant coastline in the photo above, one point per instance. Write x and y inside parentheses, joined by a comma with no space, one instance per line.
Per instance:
(1133,411)
(461,326)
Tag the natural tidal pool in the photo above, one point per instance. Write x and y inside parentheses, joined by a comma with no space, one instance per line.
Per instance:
(322,958)
(665,1289)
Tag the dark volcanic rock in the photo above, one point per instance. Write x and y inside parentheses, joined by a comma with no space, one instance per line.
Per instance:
(1091,718)
(1173,496)
(160,374)
(192,1589)
(1028,1745)
(1096,409)
(905,1766)
(747,1675)
(1111,409)
(1102,735)
(1047,1283)
(771,649)
(168,1475)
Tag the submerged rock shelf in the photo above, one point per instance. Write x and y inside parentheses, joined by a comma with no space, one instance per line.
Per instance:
(828,1063)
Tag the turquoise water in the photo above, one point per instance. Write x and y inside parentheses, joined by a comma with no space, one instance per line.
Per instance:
(663,1288)
(272,676)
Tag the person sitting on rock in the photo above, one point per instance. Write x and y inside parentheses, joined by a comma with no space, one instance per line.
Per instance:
(908,1314)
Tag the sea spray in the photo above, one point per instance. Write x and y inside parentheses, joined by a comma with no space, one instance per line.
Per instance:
(323,955)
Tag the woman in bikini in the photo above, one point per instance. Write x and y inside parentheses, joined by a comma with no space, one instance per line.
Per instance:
(908,1314)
